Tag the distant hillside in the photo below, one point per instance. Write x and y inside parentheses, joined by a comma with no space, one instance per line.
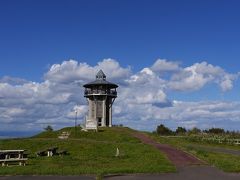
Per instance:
(16,134)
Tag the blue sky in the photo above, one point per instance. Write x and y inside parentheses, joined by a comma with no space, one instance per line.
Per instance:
(35,35)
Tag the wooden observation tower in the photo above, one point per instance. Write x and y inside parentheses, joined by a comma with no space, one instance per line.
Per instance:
(100,95)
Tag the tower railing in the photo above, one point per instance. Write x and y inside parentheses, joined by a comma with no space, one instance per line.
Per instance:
(89,92)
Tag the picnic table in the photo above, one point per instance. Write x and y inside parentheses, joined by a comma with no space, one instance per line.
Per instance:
(63,152)
(48,152)
(52,151)
(13,157)
(64,135)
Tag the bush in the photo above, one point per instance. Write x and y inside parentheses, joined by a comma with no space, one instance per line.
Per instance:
(194,131)
(162,130)
(48,128)
(216,131)
(181,130)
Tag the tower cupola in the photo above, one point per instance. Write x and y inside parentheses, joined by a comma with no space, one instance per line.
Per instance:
(100,75)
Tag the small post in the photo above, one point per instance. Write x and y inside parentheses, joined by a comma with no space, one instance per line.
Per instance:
(117,152)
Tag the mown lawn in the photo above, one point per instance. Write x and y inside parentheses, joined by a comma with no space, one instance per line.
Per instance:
(223,161)
(89,153)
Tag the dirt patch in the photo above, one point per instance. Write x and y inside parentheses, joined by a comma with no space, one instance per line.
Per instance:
(179,158)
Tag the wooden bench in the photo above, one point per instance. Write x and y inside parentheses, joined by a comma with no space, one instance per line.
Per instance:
(41,153)
(63,152)
(13,161)
(48,152)
(17,157)
(237,141)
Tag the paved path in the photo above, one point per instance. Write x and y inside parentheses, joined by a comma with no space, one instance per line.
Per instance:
(178,157)
(184,173)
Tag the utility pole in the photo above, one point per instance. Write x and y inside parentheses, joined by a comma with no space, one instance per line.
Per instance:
(75,122)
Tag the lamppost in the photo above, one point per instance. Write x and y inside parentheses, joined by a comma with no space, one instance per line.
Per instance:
(75,122)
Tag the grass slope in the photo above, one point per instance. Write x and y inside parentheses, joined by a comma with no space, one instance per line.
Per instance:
(90,153)
(223,161)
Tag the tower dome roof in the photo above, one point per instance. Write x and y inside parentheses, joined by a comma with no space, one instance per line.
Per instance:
(100,80)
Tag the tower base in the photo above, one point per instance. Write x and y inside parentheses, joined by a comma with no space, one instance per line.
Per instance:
(91,124)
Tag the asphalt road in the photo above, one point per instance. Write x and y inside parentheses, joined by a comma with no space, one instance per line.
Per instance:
(184,173)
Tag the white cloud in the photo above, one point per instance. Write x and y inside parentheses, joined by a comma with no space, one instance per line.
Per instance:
(72,71)
(145,87)
(188,114)
(113,70)
(142,96)
(162,65)
(69,71)
(13,80)
(227,82)
(79,110)
(195,77)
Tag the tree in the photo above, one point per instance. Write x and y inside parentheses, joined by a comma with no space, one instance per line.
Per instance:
(216,131)
(181,130)
(48,128)
(162,130)
(194,131)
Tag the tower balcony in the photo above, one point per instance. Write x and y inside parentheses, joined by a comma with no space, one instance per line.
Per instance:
(96,92)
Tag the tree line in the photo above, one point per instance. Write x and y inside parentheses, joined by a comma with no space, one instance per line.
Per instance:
(163,130)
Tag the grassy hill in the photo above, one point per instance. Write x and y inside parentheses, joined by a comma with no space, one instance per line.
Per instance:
(218,155)
(89,153)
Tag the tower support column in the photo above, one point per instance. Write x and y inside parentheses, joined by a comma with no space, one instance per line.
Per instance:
(104,112)
(110,116)
(90,115)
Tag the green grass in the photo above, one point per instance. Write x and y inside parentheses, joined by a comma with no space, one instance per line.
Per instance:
(223,161)
(226,162)
(90,153)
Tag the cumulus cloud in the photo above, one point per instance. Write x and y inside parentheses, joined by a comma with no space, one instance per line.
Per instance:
(142,102)
(144,87)
(198,75)
(162,65)
(72,71)
(188,114)
(12,80)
